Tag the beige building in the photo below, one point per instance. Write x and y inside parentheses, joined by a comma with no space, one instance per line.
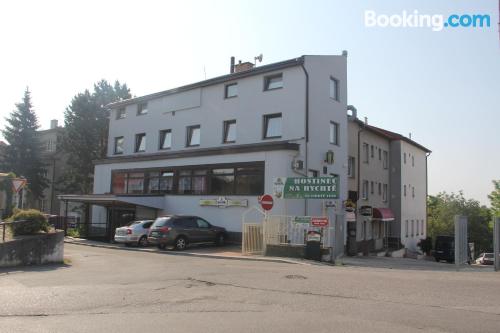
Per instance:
(387,189)
(54,161)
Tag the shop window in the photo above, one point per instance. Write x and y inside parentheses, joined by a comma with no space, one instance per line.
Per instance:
(135,183)
(222,181)
(193,181)
(161,182)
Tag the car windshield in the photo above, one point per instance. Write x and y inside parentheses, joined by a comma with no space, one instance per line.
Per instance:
(162,221)
(488,255)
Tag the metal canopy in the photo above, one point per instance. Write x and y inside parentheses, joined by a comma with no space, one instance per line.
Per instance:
(108,200)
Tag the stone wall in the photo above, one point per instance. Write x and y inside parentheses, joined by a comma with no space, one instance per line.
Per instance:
(33,250)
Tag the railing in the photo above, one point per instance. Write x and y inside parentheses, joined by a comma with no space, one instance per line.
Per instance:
(6,223)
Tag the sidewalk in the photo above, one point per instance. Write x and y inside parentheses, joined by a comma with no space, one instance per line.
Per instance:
(231,252)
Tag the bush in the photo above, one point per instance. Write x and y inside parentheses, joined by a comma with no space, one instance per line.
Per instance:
(35,222)
(425,245)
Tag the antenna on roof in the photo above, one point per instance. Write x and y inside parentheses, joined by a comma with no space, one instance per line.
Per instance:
(259,58)
(205,72)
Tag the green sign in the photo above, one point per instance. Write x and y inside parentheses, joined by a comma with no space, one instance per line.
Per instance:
(301,219)
(306,187)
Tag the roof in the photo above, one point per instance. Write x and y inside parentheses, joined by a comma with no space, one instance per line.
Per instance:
(107,200)
(212,81)
(393,136)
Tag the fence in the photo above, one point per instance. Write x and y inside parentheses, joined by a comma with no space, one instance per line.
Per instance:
(281,229)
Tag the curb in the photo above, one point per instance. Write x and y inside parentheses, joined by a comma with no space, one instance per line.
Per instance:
(187,254)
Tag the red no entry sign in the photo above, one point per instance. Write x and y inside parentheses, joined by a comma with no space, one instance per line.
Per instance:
(267,202)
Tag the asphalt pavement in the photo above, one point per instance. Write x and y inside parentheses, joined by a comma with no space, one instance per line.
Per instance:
(109,290)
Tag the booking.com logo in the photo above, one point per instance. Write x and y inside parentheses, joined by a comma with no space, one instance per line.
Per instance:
(415,20)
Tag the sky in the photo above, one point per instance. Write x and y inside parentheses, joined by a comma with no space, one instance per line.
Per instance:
(442,86)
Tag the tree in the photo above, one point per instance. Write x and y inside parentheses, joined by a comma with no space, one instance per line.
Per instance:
(494,197)
(87,120)
(442,209)
(22,154)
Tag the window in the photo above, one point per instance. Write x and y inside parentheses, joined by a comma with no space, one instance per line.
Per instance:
(229,131)
(51,145)
(404,158)
(380,154)
(404,190)
(334,133)
(422,227)
(412,228)
(365,189)
(193,136)
(313,173)
(135,183)
(202,223)
(379,188)
(334,88)
(118,145)
(372,151)
(351,167)
(161,182)
(219,179)
(384,193)
(386,158)
(192,181)
(142,109)
(412,160)
(165,139)
(222,181)
(140,142)
(272,126)
(231,90)
(273,82)
(365,153)
(406,228)
(413,191)
(120,113)
(372,188)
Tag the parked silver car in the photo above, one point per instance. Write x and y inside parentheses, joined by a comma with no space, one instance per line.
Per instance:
(136,232)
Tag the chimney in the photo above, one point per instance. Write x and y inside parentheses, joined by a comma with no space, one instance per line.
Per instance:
(231,69)
(409,135)
(366,120)
(243,66)
(53,123)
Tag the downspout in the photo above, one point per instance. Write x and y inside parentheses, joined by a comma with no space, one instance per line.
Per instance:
(306,124)
(426,191)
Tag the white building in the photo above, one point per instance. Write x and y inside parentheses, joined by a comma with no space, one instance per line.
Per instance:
(387,180)
(180,150)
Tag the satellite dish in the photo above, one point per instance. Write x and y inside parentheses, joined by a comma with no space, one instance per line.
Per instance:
(259,58)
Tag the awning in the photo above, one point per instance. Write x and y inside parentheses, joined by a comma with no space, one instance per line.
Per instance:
(108,200)
(350,217)
(383,214)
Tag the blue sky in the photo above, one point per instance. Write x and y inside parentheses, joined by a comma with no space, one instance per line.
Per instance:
(443,87)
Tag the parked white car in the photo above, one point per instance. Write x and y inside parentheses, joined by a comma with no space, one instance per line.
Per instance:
(136,232)
(486,259)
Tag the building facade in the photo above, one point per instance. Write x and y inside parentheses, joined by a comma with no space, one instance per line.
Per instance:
(211,148)
(54,161)
(387,179)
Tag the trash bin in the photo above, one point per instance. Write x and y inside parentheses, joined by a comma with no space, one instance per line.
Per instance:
(313,246)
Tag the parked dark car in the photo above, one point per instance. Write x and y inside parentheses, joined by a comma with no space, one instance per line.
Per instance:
(444,248)
(180,230)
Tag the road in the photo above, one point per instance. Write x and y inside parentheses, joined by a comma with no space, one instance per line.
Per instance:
(109,290)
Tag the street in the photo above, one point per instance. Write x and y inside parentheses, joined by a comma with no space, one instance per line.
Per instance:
(110,290)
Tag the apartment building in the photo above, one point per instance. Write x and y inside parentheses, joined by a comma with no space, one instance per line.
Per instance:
(54,161)
(387,184)
(212,147)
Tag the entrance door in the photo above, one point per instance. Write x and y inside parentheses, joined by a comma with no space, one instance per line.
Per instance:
(118,217)
(351,239)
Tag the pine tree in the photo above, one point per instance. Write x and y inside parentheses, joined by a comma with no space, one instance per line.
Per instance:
(87,120)
(22,154)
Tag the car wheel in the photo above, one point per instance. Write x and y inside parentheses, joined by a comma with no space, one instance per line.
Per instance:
(180,243)
(161,246)
(143,241)
(220,240)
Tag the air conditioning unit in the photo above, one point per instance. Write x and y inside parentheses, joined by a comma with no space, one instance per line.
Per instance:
(297,164)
